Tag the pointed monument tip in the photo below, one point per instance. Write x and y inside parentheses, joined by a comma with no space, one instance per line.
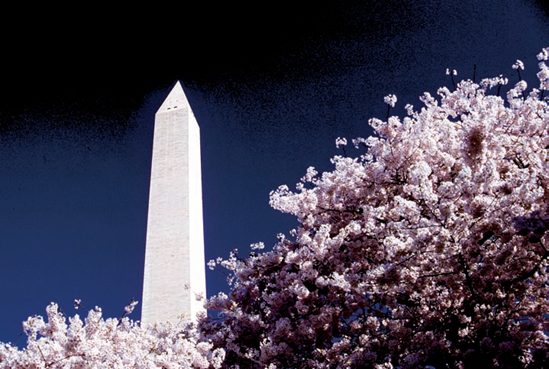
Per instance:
(176,99)
(177,86)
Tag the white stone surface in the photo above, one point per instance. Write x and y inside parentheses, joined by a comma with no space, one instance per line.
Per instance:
(174,257)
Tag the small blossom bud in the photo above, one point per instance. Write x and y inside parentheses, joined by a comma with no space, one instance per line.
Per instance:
(341,142)
(390,100)
(518,65)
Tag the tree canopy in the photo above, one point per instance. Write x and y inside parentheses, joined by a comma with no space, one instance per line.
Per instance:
(428,249)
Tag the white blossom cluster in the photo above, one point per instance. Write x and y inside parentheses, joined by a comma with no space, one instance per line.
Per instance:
(390,100)
(519,65)
(543,73)
(96,343)
(429,250)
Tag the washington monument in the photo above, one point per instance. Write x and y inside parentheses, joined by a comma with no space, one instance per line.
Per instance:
(174,256)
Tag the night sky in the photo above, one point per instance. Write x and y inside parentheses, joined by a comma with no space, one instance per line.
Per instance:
(272,87)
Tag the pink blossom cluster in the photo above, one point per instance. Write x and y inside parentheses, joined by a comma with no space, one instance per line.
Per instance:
(112,343)
(429,249)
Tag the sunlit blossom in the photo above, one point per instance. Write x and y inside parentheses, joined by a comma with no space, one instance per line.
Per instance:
(390,100)
(108,343)
(518,65)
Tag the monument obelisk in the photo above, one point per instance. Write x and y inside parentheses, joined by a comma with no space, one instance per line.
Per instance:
(174,255)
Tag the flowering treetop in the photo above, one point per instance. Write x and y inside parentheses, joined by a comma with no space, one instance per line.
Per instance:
(107,343)
(428,249)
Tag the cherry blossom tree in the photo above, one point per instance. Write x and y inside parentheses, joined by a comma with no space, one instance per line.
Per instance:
(112,343)
(428,249)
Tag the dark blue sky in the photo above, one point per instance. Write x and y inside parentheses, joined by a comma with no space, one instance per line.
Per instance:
(271,87)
